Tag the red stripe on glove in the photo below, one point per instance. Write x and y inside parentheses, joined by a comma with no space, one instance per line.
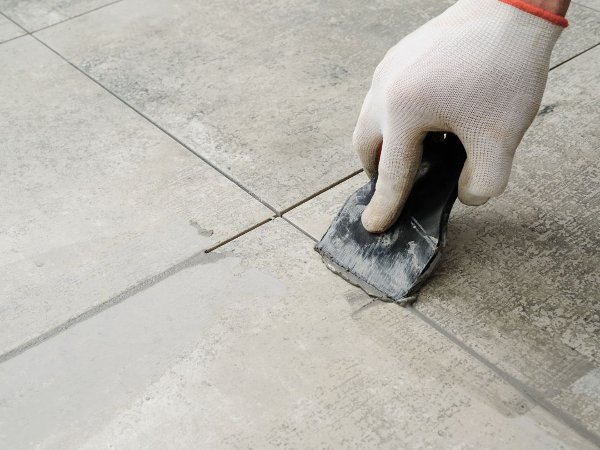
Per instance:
(537,11)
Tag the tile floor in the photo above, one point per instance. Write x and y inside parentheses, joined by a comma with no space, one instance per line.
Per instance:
(138,134)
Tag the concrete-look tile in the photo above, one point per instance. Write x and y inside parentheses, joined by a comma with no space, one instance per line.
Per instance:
(278,353)
(36,14)
(519,281)
(270,93)
(582,33)
(594,4)
(9,30)
(94,198)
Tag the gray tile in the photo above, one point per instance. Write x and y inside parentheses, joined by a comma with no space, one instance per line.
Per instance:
(270,92)
(582,33)
(519,282)
(274,355)
(9,30)
(36,14)
(94,198)
(594,4)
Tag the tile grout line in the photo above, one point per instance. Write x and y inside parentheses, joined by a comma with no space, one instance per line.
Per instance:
(528,391)
(159,277)
(586,6)
(278,213)
(319,192)
(305,233)
(76,16)
(169,134)
(56,23)
(132,290)
(521,387)
(126,293)
(173,137)
(574,56)
(152,280)
(240,234)
(119,298)
(524,389)
(13,38)
(10,19)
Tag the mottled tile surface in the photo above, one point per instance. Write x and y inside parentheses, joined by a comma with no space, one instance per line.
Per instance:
(9,30)
(36,14)
(594,4)
(278,354)
(269,92)
(94,198)
(119,331)
(522,283)
(519,282)
(582,33)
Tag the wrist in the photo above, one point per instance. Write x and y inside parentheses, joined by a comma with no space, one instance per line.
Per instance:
(551,10)
(558,7)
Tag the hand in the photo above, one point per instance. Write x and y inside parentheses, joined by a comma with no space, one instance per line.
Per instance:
(479,71)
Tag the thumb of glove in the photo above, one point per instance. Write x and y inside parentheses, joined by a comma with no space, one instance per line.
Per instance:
(398,166)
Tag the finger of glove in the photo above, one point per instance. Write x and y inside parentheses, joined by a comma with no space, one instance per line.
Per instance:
(398,166)
(367,139)
(486,171)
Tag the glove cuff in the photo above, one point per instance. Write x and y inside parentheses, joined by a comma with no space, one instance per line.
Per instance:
(539,12)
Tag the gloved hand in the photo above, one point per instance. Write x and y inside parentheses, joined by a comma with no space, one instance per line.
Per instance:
(479,71)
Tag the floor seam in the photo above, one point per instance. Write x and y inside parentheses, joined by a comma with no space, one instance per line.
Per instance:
(124,294)
(526,390)
(523,388)
(300,229)
(159,127)
(10,19)
(321,191)
(238,235)
(29,33)
(574,56)
(586,6)
(14,38)
(278,213)
(76,16)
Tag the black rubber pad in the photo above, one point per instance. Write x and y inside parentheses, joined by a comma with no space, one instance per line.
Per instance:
(394,264)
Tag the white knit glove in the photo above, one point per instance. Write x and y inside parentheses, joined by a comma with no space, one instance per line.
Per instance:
(479,71)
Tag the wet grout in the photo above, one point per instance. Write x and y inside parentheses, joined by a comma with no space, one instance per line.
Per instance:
(319,192)
(240,234)
(521,387)
(200,257)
